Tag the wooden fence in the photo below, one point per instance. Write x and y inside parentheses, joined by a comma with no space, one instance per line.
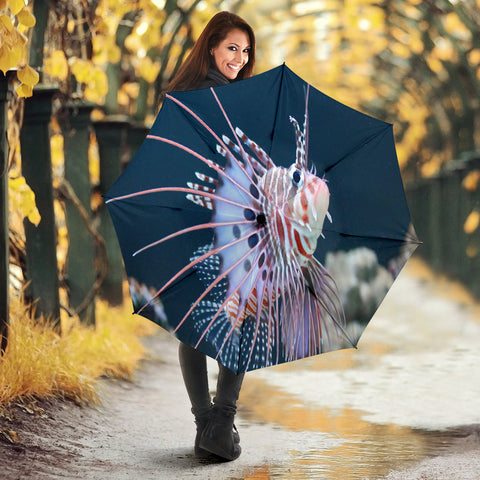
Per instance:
(445,210)
(94,265)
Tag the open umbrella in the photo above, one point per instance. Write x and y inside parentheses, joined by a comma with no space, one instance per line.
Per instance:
(262,221)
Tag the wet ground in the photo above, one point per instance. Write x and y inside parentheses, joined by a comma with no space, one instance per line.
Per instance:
(405,405)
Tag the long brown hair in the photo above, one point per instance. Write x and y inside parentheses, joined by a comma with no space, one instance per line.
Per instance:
(194,69)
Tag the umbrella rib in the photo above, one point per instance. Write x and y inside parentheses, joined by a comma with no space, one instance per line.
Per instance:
(190,229)
(208,162)
(242,150)
(210,130)
(234,324)
(177,189)
(217,280)
(258,320)
(407,239)
(187,267)
(227,299)
(355,148)
(325,288)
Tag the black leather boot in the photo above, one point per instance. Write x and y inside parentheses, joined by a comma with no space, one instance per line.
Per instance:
(220,435)
(201,419)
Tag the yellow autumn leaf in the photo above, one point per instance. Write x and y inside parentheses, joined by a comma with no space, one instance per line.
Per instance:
(57,149)
(6,21)
(28,75)
(3,4)
(56,65)
(5,58)
(24,90)
(133,43)
(100,81)
(82,70)
(26,18)
(15,5)
(471,181)
(472,222)
(122,98)
(22,199)
(435,64)
(474,57)
(97,87)
(148,70)
(114,54)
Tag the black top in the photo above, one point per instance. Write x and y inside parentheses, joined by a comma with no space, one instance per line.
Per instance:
(214,79)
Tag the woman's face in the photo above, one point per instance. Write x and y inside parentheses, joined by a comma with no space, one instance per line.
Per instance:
(231,54)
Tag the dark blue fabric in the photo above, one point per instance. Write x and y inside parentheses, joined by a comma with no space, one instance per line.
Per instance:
(353,151)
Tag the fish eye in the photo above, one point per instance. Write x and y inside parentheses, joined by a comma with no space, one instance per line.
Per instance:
(296,175)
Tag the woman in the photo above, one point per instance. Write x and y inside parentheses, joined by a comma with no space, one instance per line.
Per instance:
(224,52)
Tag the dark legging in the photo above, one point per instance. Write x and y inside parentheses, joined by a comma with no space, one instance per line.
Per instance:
(194,370)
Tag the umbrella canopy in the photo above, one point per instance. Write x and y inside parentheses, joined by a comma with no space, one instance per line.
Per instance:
(262,221)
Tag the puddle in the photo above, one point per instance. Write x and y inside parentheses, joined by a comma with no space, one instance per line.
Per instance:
(366,450)
(392,403)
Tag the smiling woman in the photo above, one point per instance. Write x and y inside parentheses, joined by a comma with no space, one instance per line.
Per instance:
(232,53)
(224,52)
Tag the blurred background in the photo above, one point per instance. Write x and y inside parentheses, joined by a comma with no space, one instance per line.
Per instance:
(80,88)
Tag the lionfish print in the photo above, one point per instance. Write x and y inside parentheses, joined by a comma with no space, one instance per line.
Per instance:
(267,299)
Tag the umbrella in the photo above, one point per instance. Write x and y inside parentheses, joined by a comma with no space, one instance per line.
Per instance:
(262,221)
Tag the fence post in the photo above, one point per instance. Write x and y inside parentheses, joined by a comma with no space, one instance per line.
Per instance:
(452,224)
(40,244)
(111,138)
(74,120)
(137,133)
(472,240)
(5,93)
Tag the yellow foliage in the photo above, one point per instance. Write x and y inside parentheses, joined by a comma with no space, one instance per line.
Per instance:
(81,69)
(431,167)
(39,363)
(13,42)
(22,199)
(472,222)
(28,76)
(97,88)
(15,5)
(93,77)
(148,70)
(7,22)
(105,49)
(56,65)
(26,18)
(474,57)
(455,27)
(133,43)
(127,93)
(471,181)
(444,50)
(93,160)
(57,153)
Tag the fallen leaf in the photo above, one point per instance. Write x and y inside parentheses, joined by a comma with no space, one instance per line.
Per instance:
(10,435)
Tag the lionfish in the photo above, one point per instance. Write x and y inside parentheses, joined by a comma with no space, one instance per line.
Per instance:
(267,299)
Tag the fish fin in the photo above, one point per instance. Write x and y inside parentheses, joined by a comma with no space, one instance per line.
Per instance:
(217,332)
(199,200)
